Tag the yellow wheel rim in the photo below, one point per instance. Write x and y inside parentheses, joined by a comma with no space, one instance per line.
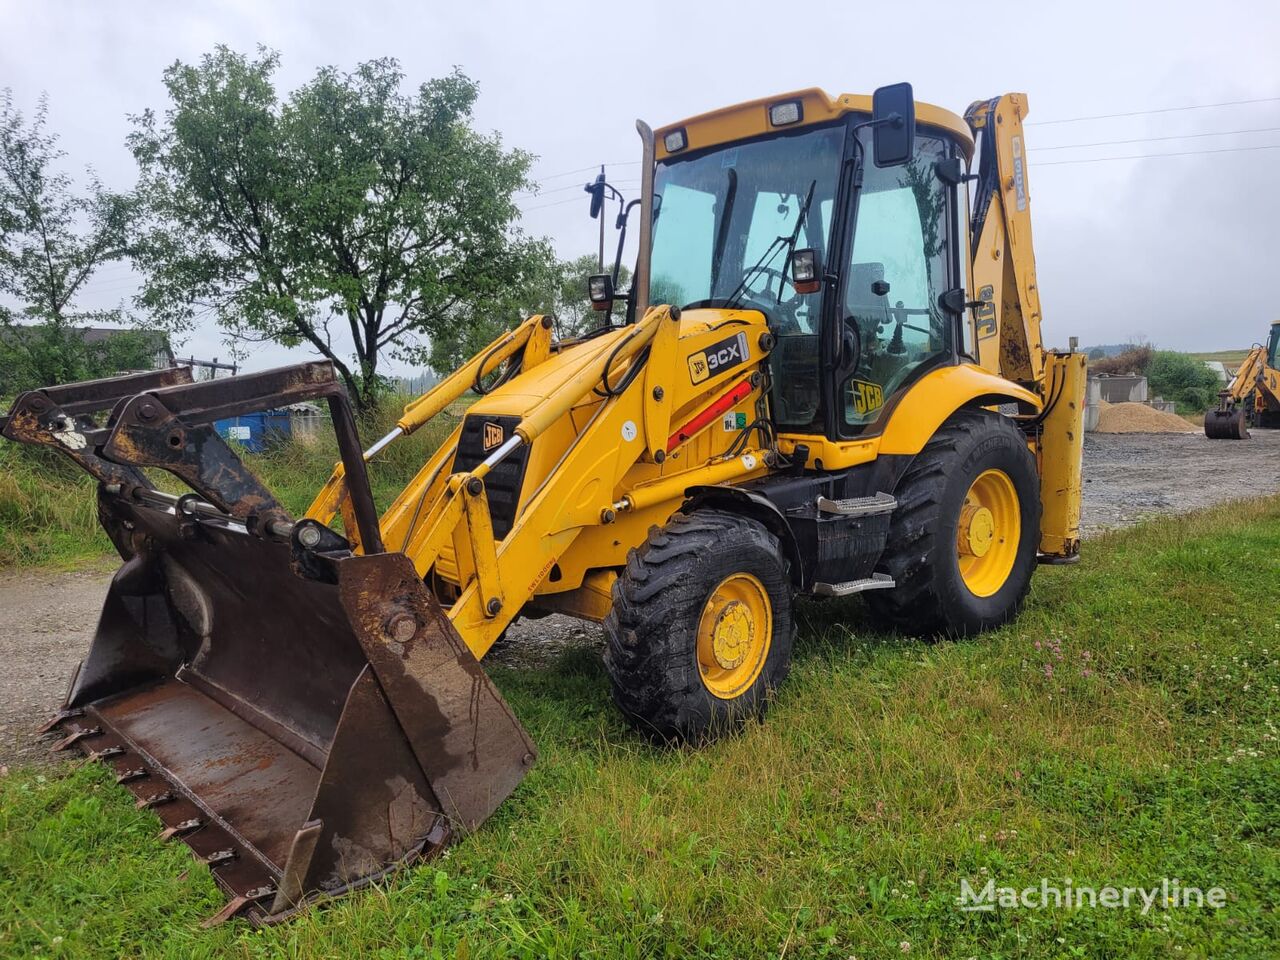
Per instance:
(989,532)
(734,633)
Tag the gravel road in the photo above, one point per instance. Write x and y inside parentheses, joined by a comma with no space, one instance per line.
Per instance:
(47,619)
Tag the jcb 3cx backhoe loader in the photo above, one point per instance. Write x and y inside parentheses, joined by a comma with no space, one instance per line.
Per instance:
(1252,398)
(827,378)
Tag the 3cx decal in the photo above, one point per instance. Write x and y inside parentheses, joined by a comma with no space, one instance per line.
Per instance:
(867,397)
(723,355)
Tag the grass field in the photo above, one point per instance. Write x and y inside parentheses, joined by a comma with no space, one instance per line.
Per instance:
(1121,732)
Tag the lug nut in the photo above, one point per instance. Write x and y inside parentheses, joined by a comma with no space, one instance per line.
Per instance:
(607,515)
(309,537)
(475,486)
(147,411)
(493,607)
(402,627)
(659,456)
(658,393)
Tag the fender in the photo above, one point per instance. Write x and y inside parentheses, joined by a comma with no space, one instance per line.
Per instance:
(758,507)
(937,395)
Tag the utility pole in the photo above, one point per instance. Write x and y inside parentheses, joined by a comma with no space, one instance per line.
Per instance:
(600,258)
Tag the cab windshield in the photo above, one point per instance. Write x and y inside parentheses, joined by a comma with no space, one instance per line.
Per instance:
(728,220)
(1273,348)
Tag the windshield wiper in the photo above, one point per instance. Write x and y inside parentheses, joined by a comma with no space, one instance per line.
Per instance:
(779,243)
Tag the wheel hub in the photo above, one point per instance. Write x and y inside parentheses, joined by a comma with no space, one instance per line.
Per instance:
(977,530)
(988,533)
(732,634)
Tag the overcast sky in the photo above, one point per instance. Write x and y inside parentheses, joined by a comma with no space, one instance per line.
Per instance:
(1182,250)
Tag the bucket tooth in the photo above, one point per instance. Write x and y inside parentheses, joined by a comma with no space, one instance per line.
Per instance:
(57,719)
(71,739)
(154,800)
(236,904)
(183,827)
(136,773)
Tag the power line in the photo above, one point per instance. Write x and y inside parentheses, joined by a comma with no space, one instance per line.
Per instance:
(1156,156)
(1141,113)
(1181,136)
(591,169)
(572,186)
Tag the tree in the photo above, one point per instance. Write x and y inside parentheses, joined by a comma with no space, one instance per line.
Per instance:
(1183,379)
(52,238)
(559,289)
(349,202)
(42,354)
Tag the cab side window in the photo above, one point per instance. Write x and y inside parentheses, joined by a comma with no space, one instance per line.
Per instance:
(896,272)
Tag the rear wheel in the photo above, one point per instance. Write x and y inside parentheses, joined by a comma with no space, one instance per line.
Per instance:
(962,543)
(700,631)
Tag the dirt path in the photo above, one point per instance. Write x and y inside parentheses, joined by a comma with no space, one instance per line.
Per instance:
(47,619)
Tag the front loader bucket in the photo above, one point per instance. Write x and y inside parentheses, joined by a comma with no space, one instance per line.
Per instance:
(304,719)
(1226,424)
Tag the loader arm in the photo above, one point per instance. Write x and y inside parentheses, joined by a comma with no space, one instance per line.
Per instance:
(1246,379)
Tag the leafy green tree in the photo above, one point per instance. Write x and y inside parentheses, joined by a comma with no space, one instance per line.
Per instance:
(350,205)
(43,354)
(53,238)
(1183,379)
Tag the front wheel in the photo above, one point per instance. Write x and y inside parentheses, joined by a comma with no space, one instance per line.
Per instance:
(700,631)
(962,541)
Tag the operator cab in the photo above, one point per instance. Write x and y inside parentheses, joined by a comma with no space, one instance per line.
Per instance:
(834,222)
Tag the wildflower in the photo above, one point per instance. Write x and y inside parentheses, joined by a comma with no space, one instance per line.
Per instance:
(905,946)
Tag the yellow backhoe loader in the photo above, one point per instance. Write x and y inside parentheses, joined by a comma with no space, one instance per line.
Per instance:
(827,378)
(1252,398)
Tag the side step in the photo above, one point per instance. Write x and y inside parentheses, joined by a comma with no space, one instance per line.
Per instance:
(858,506)
(877,581)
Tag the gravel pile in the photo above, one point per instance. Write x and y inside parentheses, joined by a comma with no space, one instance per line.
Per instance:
(1139,418)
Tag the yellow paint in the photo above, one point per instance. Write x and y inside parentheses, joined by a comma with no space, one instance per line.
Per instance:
(1060,448)
(751,119)
(918,414)
(598,475)
(988,534)
(735,631)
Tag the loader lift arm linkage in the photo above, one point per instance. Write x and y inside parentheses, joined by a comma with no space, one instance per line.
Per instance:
(305,707)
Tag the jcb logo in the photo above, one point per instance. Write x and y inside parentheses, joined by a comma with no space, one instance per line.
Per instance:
(867,397)
(984,317)
(718,357)
(492,436)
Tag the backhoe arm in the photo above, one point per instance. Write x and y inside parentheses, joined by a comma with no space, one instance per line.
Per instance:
(1006,327)
(1006,319)
(1246,379)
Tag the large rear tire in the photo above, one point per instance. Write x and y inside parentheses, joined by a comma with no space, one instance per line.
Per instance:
(963,539)
(699,636)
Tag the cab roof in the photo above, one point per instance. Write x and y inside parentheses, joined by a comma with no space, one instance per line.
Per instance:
(751,119)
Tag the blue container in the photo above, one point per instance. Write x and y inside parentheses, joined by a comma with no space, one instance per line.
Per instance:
(254,431)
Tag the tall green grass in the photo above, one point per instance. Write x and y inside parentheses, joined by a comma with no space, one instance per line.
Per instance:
(1122,730)
(48,506)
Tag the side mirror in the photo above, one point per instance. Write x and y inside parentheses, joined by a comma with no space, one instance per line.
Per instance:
(893,118)
(600,291)
(596,189)
(806,274)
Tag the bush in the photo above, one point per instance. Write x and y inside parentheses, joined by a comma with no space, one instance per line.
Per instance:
(1136,359)
(1183,379)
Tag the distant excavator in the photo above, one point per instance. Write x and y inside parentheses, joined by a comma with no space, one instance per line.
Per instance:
(1252,398)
